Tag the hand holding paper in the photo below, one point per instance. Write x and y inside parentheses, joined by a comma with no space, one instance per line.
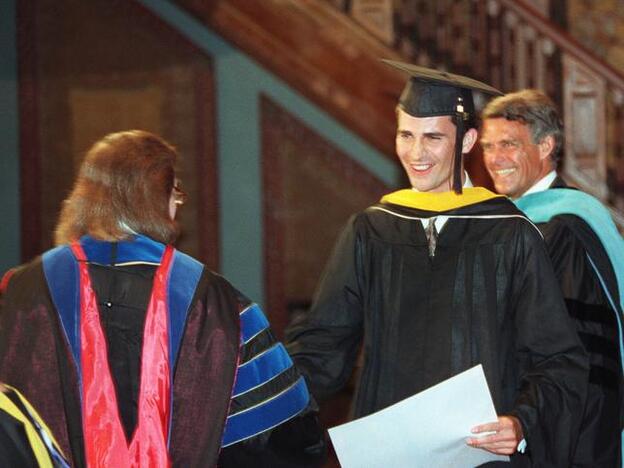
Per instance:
(427,429)
(507,435)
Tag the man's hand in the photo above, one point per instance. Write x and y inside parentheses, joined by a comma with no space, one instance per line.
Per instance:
(507,435)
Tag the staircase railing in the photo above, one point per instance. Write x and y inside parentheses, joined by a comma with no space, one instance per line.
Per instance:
(510,45)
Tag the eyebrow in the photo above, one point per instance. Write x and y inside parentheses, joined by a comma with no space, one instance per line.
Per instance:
(427,134)
(504,140)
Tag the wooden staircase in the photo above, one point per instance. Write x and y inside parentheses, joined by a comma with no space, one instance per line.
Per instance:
(329,51)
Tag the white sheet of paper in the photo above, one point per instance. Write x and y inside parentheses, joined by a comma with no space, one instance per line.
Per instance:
(425,430)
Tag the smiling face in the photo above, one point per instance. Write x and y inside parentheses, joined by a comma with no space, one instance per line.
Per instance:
(425,147)
(512,159)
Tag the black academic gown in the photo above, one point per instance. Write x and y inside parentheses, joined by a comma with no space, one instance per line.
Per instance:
(569,239)
(14,447)
(488,296)
(35,356)
(24,440)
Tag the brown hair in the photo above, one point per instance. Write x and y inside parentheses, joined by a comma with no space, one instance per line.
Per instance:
(126,179)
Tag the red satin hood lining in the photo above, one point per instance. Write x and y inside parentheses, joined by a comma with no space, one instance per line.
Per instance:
(105,440)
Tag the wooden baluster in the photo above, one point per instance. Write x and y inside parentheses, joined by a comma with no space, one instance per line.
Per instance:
(441,25)
(479,39)
(615,139)
(509,43)
(422,33)
(530,38)
(540,64)
(408,29)
(494,43)
(585,130)
(522,65)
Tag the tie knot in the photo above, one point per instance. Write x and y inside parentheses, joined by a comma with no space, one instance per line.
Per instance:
(432,236)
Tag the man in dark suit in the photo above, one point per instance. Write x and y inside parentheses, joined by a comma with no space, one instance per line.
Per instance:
(522,140)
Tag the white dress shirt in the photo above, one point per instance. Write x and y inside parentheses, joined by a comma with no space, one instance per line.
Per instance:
(543,183)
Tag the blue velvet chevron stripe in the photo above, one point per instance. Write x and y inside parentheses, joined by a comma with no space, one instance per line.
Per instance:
(140,249)
(61,271)
(253,322)
(266,415)
(261,369)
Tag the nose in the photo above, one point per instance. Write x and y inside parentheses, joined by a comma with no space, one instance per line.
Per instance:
(493,156)
(415,150)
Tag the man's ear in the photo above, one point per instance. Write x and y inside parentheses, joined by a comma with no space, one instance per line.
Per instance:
(470,138)
(546,146)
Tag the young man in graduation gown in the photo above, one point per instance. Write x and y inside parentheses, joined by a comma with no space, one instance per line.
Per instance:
(438,278)
(522,141)
(135,353)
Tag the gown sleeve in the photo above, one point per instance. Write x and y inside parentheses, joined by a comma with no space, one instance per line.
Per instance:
(32,354)
(324,342)
(553,363)
(272,419)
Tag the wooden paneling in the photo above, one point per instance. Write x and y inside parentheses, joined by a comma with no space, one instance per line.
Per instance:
(30,163)
(585,130)
(310,189)
(129,70)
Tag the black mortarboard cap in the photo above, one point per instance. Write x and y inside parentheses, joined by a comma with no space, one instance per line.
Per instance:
(431,93)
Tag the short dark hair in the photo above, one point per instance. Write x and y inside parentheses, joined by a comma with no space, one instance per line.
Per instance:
(534,109)
(124,183)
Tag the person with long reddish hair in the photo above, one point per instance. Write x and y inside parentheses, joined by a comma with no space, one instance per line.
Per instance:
(135,353)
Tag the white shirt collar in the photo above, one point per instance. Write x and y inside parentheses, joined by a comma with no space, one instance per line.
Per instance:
(440,220)
(543,183)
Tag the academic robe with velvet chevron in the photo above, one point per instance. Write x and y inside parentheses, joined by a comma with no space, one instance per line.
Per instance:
(225,346)
(488,296)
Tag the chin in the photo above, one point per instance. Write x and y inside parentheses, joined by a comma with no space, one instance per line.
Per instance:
(421,187)
(503,189)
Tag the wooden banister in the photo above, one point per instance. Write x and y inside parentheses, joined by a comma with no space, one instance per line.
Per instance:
(563,40)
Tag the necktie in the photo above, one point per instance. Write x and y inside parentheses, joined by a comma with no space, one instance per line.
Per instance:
(432,236)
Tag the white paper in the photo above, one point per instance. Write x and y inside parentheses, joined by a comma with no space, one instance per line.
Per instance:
(428,429)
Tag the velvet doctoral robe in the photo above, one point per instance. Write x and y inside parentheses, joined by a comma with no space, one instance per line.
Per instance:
(234,387)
